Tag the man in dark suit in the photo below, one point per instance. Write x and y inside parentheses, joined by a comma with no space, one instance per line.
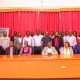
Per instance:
(11,49)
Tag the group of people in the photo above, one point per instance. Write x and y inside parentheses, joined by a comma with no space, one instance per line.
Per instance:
(40,43)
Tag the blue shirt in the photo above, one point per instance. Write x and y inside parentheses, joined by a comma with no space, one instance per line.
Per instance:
(77,49)
(45,40)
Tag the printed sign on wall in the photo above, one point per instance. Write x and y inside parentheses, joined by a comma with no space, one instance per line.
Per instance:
(4,29)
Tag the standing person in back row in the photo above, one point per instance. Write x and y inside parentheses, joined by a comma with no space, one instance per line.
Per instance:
(57,42)
(18,41)
(71,39)
(27,38)
(77,46)
(36,42)
(46,39)
(4,40)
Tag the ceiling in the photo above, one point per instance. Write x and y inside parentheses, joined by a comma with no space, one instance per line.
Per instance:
(39,3)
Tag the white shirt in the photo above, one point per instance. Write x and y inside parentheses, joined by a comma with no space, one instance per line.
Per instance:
(49,50)
(65,39)
(4,42)
(36,41)
(20,39)
(29,39)
(71,40)
(11,50)
(52,36)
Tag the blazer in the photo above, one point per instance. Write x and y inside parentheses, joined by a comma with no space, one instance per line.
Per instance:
(15,51)
(45,51)
(18,44)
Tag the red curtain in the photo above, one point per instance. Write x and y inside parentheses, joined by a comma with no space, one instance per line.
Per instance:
(26,21)
(70,20)
(45,21)
(18,21)
(49,21)
(7,21)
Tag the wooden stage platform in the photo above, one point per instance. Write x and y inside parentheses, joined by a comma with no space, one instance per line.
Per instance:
(37,66)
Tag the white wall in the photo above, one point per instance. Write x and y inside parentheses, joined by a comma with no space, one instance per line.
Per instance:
(39,4)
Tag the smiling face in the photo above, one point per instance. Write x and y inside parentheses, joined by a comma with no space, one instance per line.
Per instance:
(28,33)
(19,34)
(26,43)
(46,34)
(66,44)
(70,33)
(49,44)
(4,33)
(56,34)
(11,44)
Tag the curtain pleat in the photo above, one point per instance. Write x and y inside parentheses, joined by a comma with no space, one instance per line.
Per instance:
(46,21)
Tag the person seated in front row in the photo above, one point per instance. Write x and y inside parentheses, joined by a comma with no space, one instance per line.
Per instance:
(11,50)
(49,49)
(26,49)
(66,49)
(77,47)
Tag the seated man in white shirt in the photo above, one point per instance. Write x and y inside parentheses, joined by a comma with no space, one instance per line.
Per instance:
(49,49)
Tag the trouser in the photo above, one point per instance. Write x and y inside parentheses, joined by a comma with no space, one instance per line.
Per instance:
(57,50)
(32,50)
(4,53)
(37,50)
(18,51)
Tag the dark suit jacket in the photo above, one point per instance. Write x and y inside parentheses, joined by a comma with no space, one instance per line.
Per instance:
(15,51)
